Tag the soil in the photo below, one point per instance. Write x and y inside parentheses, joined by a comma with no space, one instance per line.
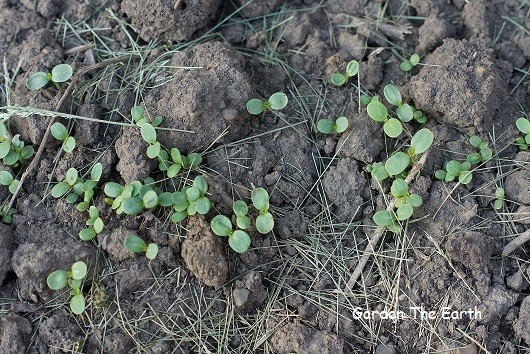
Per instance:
(196,63)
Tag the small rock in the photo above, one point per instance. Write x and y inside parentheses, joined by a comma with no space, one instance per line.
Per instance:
(517,281)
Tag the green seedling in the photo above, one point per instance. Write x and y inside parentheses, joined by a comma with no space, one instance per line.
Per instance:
(177,162)
(276,102)
(14,151)
(240,209)
(76,187)
(385,218)
(499,198)
(147,130)
(408,65)
(60,278)
(6,179)
(135,244)
(327,126)
(453,170)
(191,200)
(238,240)
(94,223)
(60,133)
(523,125)
(340,79)
(483,154)
(260,200)
(7,213)
(60,73)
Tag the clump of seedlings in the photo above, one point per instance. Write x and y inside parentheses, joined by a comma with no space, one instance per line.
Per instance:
(60,73)
(523,125)
(327,126)
(455,170)
(59,279)
(340,79)
(75,187)
(238,240)
(483,153)
(135,244)
(408,64)
(174,162)
(276,101)
(13,151)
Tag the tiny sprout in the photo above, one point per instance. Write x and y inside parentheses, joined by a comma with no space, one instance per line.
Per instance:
(408,65)
(523,125)
(58,279)
(238,240)
(240,209)
(59,132)
(327,126)
(276,102)
(135,244)
(499,198)
(60,73)
(6,179)
(484,152)
(385,218)
(15,151)
(352,69)
(260,200)
(454,170)
(94,223)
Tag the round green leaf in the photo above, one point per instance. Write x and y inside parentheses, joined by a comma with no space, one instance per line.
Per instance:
(397,163)
(338,79)
(240,208)
(393,127)
(176,156)
(415,200)
(221,225)
(5,178)
(399,188)
(406,65)
(71,176)
(200,183)
(113,189)
(132,205)
(392,95)
(194,160)
(137,113)
(179,198)
(440,174)
(173,170)
(499,193)
(325,126)
(60,189)
(77,304)
(379,171)
(264,223)
(239,241)
(278,100)
(475,141)
(153,150)
(523,125)
(26,152)
(179,216)
(453,167)
(57,279)
(383,218)
(97,170)
(486,153)
(465,177)
(148,133)
(134,244)
(69,144)
(405,113)
(404,212)
(13,186)
(422,141)
(150,199)
(260,199)
(62,73)
(151,251)
(5,146)
(341,124)
(352,68)
(37,81)
(165,200)
(498,204)
(243,222)
(377,111)
(79,270)
(193,193)
(414,59)
(59,131)
(87,234)
(98,225)
(192,209)
(203,205)
(255,106)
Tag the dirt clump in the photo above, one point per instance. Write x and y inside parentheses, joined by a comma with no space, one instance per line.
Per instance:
(297,338)
(517,184)
(203,253)
(14,333)
(172,21)
(352,143)
(133,162)
(6,242)
(113,244)
(522,324)
(258,8)
(206,100)
(431,34)
(249,292)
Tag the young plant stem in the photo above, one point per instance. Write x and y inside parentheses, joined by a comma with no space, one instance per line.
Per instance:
(66,92)
(374,240)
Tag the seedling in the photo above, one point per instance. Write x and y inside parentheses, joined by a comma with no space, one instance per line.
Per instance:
(352,69)
(453,170)
(6,179)
(240,209)
(135,244)
(78,187)
(385,218)
(408,65)
(327,126)
(178,161)
(58,279)
(484,152)
(238,240)
(59,74)
(523,125)
(499,198)
(260,200)
(60,133)
(15,151)
(7,213)
(147,130)
(94,223)
(276,102)
(191,200)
